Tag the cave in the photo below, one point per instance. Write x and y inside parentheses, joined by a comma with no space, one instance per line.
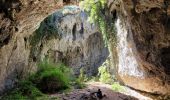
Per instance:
(126,41)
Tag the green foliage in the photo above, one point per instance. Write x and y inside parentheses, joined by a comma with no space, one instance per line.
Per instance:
(104,74)
(97,10)
(48,79)
(52,77)
(93,79)
(79,84)
(24,91)
(82,78)
(117,87)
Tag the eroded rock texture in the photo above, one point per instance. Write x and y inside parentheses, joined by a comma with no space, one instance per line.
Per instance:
(144,44)
(18,20)
(144,53)
(67,36)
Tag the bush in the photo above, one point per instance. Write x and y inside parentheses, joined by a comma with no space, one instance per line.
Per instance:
(104,75)
(117,87)
(51,78)
(48,79)
(79,82)
(24,91)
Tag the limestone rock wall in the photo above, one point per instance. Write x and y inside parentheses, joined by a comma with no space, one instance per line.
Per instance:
(18,20)
(77,42)
(143,44)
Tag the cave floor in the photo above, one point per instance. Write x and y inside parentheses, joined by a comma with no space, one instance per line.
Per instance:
(86,93)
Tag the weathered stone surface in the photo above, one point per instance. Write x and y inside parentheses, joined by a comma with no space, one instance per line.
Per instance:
(18,20)
(143,45)
(77,42)
(143,54)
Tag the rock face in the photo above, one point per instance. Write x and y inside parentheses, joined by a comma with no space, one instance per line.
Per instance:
(143,44)
(73,41)
(143,28)
(18,20)
(65,36)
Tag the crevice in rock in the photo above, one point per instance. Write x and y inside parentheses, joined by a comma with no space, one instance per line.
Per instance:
(66,1)
(147,56)
(5,41)
(10,7)
(114,15)
(74,32)
(165,59)
(34,59)
(82,29)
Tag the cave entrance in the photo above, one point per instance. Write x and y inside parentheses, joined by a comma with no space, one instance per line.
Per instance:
(66,36)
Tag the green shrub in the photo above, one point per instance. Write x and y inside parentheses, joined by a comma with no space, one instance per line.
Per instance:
(80,81)
(14,95)
(82,77)
(48,79)
(117,87)
(93,79)
(104,75)
(79,84)
(51,78)
(24,91)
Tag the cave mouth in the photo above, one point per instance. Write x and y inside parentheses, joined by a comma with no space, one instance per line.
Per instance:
(48,31)
(70,27)
(90,62)
(64,37)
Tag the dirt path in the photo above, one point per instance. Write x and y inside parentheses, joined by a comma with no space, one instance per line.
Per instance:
(86,93)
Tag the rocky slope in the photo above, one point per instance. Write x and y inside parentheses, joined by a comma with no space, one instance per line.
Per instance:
(143,44)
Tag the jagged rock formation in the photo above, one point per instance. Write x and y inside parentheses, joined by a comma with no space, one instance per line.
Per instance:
(18,20)
(66,36)
(143,61)
(143,44)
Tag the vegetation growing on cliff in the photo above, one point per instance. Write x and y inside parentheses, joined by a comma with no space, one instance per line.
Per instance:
(99,14)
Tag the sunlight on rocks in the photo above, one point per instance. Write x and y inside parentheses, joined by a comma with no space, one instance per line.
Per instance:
(127,62)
